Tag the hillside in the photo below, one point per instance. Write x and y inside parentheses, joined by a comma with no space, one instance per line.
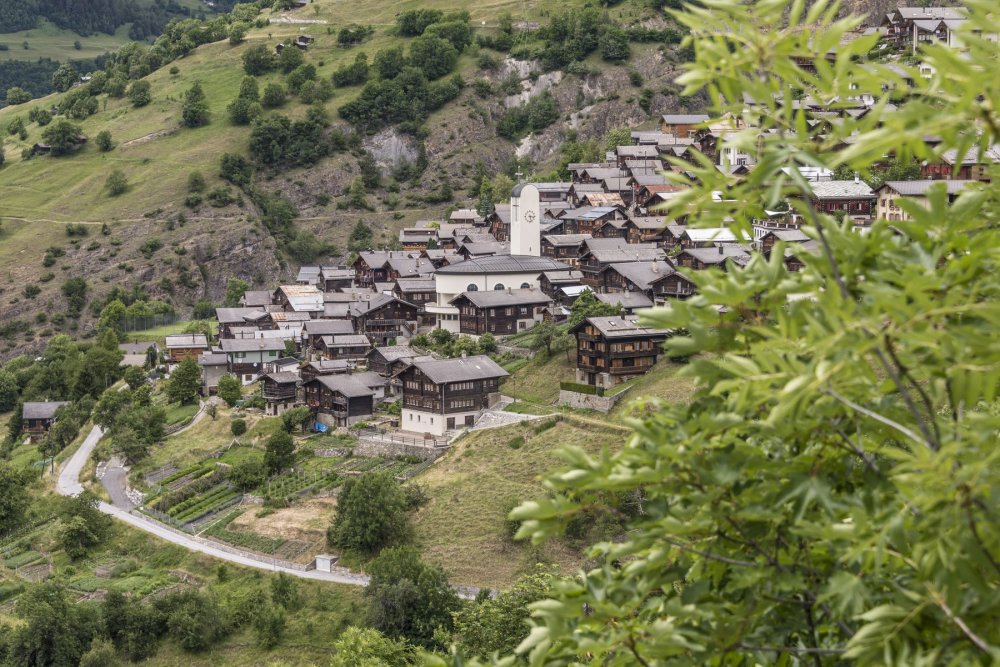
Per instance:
(199,248)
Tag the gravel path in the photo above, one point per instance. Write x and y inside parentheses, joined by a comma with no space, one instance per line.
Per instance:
(496,417)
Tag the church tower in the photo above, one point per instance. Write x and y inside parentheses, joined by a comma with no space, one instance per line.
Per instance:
(525,221)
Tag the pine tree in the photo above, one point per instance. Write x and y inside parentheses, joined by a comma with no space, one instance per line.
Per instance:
(185,381)
(194,113)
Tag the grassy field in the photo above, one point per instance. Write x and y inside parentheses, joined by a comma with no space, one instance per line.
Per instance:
(49,41)
(474,486)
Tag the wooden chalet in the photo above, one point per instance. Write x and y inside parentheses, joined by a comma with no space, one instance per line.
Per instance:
(597,256)
(614,349)
(658,280)
(500,312)
(853,199)
(280,391)
(682,125)
(347,347)
(384,318)
(975,165)
(38,416)
(550,282)
(718,257)
(247,356)
(441,395)
(179,346)
(319,367)
(313,330)
(564,247)
(339,400)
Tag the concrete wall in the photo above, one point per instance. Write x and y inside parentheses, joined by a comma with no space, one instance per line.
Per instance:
(375,449)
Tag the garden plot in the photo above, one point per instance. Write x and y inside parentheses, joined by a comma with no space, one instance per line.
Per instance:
(306,522)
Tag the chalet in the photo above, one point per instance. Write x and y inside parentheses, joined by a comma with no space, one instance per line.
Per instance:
(644,229)
(213,366)
(441,395)
(552,192)
(706,258)
(501,313)
(611,228)
(891,192)
(417,238)
(255,299)
(381,359)
(405,267)
(179,346)
(308,275)
(597,257)
(767,241)
(627,153)
(339,400)
(439,257)
(306,299)
(231,318)
(280,391)
(585,220)
(707,237)
(303,41)
(313,330)
(682,125)
(497,272)
(794,254)
(384,318)
(346,347)
(852,199)
(614,349)
(619,185)
(282,365)
(627,303)
(551,282)
(579,193)
(248,356)
(594,199)
(417,291)
(912,27)
(336,278)
(671,237)
(465,216)
(371,267)
(483,249)
(563,247)
(658,280)
(597,175)
(498,222)
(314,369)
(38,416)
(972,166)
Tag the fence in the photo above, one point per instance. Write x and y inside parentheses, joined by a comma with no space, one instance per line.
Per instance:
(395,437)
(420,467)
(149,322)
(15,536)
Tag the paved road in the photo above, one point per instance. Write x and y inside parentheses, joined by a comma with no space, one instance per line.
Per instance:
(68,484)
(115,481)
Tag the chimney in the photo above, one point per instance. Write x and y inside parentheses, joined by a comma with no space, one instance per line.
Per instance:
(721,252)
(654,267)
(857,177)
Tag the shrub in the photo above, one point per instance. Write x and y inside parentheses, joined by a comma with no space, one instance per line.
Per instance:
(238,427)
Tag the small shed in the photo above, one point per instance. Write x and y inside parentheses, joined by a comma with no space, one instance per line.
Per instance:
(325,562)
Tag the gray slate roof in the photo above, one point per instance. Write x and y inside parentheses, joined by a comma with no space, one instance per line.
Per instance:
(344,384)
(494,264)
(394,352)
(186,340)
(42,409)
(463,369)
(617,326)
(502,298)
(282,378)
(643,274)
(328,327)
(627,300)
(252,345)
(920,188)
(841,189)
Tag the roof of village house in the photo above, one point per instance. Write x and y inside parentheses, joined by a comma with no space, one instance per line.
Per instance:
(251,345)
(339,309)
(348,294)
(616,184)
(409,285)
(713,235)
(602,199)
(649,179)
(628,300)
(462,369)
(347,340)
(41,409)
(482,248)
(579,188)
(788,235)
(632,252)
(282,378)
(369,379)
(920,188)
(256,298)
(378,258)
(718,254)
(464,214)
(556,277)
(915,13)
(589,212)
(282,316)
(566,240)
(395,352)
(336,272)
(596,243)
(553,186)
(410,266)
(302,298)
(307,274)
(324,366)
(841,189)
(601,173)
(621,326)
(360,308)
(502,298)
(655,222)
(643,274)
(237,315)
(348,385)
(503,264)
(327,327)
(972,156)
(212,359)
(181,341)
(641,151)
(137,347)
(684,118)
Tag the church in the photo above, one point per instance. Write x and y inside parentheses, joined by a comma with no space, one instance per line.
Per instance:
(521,269)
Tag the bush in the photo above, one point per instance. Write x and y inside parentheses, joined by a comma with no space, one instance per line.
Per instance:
(274,96)
(238,427)
(371,514)
(116,183)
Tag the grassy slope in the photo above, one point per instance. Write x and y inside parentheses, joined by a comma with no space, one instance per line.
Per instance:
(473,487)
(50,41)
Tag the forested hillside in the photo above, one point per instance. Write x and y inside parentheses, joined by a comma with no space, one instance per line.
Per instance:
(86,18)
(230,160)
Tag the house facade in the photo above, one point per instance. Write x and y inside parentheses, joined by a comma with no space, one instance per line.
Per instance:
(442,395)
(614,349)
(339,400)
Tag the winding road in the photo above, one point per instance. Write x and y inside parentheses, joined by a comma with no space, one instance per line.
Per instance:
(68,484)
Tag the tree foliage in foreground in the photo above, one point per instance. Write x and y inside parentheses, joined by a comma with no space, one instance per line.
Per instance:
(371,514)
(830,494)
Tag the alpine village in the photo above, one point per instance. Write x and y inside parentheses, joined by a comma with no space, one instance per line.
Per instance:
(451,333)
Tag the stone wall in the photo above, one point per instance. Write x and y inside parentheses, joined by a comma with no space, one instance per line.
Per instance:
(388,449)
(580,401)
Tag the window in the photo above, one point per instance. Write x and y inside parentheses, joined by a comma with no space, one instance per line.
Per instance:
(451,422)
(498,287)
(471,287)
(525,286)
(523,310)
